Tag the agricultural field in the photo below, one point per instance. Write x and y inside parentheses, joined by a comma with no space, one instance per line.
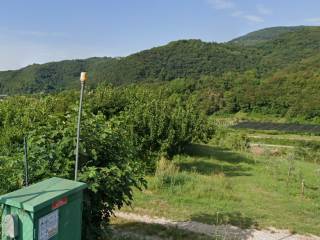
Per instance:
(214,185)
(283,127)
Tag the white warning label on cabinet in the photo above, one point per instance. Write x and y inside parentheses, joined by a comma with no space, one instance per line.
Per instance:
(48,225)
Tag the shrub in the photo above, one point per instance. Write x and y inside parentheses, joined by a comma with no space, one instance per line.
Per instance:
(168,175)
(123,131)
(231,139)
(163,126)
(107,163)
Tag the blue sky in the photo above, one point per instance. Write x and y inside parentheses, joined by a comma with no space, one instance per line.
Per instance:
(38,31)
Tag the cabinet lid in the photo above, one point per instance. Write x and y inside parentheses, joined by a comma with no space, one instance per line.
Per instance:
(42,194)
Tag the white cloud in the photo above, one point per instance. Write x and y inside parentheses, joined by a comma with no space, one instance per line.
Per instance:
(248,17)
(221,4)
(235,11)
(313,20)
(254,18)
(263,10)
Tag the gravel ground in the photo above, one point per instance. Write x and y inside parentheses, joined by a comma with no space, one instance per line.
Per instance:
(226,232)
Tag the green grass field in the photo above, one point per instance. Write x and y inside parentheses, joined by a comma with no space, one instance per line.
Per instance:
(214,185)
(295,140)
(294,137)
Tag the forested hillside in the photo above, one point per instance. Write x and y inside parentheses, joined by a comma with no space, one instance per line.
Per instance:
(267,71)
(185,58)
(49,77)
(292,91)
(264,35)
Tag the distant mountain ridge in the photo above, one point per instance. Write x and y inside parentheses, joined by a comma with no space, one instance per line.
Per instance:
(265,51)
(264,35)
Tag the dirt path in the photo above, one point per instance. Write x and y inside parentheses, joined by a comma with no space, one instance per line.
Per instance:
(227,232)
(270,145)
(285,137)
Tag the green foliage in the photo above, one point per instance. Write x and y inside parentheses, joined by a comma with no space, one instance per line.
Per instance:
(308,154)
(107,163)
(185,58)
(160,122)
(166,124)
(11,173)
(265,72)
(261,36)
(225,187)
(124,130)
(167,175)
(231,139)
(49,77)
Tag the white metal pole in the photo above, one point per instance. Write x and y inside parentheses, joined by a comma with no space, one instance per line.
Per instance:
(83,78)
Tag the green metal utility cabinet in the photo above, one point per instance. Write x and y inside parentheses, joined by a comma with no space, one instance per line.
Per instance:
(51,209)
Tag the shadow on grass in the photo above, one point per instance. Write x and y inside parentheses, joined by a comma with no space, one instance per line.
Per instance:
(232,218)
(189,230)
(209,168)
(148,231)
(223,154)
(227,162)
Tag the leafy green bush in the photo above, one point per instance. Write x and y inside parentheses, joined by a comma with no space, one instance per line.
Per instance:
(308,154)
(231,139)
(11,173)
(124,130)
(168,175)
(107,163)
(165,125)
